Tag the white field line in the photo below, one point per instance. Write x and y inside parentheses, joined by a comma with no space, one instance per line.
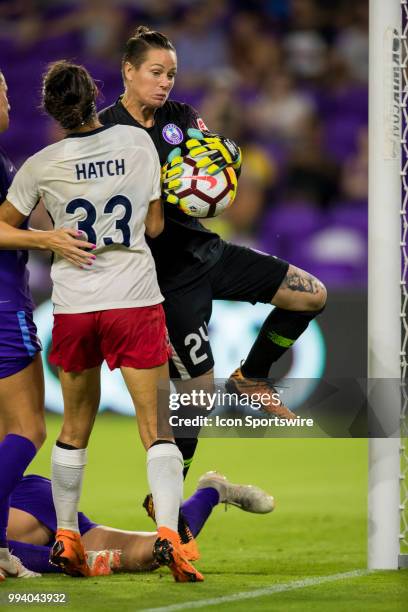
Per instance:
(275,588)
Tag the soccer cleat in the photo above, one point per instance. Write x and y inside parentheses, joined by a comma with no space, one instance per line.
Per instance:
(188,543)
(246,497)
(68,553)
(167,551)
(103,562)
(11,567)
(148,505)
(239,384)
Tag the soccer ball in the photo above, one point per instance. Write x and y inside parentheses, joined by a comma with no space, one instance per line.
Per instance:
(204,195)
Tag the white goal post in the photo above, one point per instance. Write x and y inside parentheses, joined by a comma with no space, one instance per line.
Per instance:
(387,290)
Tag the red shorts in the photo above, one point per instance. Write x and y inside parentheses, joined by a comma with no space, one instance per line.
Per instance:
(132,337)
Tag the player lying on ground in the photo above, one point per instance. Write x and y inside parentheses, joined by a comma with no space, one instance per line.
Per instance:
(32,525)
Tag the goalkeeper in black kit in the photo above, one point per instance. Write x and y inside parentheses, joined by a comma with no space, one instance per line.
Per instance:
(194,265)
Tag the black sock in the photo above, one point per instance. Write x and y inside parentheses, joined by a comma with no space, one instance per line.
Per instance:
(66,446)
(161,442)
(187,448)
(279,331)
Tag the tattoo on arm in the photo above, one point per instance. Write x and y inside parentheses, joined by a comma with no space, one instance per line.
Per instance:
(305,283)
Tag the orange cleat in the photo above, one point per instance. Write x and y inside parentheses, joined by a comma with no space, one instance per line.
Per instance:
(168,550)
(188,543)
(239,384)
(103,562)
(68,553)
(190,550)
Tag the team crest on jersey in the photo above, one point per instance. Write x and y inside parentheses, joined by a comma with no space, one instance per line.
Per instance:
(172,134)
(201,125)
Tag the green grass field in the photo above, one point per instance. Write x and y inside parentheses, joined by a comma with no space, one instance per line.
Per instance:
(318,528)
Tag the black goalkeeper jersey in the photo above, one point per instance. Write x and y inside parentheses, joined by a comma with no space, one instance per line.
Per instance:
(185,249)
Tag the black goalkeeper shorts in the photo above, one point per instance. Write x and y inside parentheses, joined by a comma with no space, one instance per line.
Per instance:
(241,274)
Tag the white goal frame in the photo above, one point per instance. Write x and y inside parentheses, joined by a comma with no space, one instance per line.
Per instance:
(387,492)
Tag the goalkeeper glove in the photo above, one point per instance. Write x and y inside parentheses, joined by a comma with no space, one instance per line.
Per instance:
(213,152)
(171,176)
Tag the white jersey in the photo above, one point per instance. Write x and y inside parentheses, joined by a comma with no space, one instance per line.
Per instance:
(100,182)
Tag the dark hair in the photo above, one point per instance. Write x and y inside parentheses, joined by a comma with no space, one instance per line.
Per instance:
(69,94)
(139,44)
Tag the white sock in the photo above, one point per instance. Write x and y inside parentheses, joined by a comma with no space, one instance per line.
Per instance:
(165,477)
(67,473)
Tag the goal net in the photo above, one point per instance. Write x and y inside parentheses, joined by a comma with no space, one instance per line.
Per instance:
(387,282)
(403,557)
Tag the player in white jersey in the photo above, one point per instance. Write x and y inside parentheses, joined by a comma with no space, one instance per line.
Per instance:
(84,183)
(105,182)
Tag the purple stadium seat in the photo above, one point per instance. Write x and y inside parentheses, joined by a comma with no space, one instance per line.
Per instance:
(7,52)
(288,223)
(29,139)
(336,276)
(67,47)
(351,215)
(336,254)
(349,102)
(340,136)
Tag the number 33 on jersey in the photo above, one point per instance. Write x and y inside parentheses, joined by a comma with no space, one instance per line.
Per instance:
(100,182)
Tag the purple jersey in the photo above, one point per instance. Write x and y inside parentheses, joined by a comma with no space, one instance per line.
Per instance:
(14,290)
(33,495)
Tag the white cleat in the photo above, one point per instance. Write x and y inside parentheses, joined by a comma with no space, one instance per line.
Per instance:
(246,497)
(11,567)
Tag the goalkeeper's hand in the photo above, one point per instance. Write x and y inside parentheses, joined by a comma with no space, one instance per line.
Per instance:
(171,176)
(213,152)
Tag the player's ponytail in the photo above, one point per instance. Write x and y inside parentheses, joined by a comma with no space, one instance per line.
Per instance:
(69,94)
(141,42)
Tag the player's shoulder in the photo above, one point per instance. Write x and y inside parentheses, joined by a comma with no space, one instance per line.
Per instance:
(175,106)
(7,172)
(173,110)
(5,161)
(36,166)
(34,163)
(114,113)
(129,135)
(51,151)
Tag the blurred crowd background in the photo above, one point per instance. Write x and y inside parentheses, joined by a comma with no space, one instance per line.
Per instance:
(286,79)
